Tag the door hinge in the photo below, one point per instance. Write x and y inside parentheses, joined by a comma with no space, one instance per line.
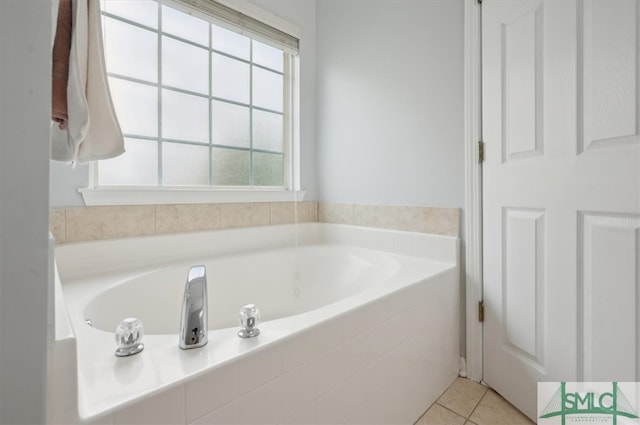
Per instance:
(481,151)
(480,311)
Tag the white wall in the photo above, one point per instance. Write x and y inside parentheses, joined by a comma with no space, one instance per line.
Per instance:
(25,84)
(390,102)
(65,180)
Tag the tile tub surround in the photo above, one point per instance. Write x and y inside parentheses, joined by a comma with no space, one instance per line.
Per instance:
(439,221)
(97,223)
(113,222)
(366,365)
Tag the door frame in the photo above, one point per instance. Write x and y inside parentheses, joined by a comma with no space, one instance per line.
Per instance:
(472,243)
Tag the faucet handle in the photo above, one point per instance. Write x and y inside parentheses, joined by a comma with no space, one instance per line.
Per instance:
(129,335)
(249,320)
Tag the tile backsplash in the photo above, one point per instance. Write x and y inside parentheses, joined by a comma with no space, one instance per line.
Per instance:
(111,222)
(440,221)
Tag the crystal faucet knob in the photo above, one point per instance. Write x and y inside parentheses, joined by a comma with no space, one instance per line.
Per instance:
(249,320)
(129,335)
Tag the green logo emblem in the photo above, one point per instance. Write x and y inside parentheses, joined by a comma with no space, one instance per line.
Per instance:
(612,403)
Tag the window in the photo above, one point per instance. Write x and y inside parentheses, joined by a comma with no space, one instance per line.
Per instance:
(200,104)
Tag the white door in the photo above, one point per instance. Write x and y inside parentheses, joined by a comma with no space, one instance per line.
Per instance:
(561,193)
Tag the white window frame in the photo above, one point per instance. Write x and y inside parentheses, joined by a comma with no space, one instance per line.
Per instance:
(95,194)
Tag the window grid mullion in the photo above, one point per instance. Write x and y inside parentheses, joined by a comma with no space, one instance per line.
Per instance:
(210,107)
(190,143)
(160,153)
(257,65)
(219,52)
(251,113)
(191,93)
(140,136)
(129,21)
(287,140)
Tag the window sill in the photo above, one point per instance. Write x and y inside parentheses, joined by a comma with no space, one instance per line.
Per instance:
(151,196)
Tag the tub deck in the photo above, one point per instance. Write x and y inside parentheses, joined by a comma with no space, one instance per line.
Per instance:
(357,342)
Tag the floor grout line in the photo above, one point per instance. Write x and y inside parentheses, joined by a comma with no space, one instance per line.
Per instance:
(452,411)
(480,401)
(478,404)
(486,389)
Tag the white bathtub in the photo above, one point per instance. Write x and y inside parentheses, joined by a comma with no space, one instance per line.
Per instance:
(359,326)
(281,282)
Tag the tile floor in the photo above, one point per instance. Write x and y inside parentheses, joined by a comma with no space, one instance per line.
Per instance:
(468,403)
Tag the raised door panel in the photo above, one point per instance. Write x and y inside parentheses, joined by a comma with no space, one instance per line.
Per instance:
(523,283)
(609,280)
(608,73)
(522,84)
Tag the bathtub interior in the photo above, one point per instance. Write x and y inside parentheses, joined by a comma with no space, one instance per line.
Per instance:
(281,282)
(107,385)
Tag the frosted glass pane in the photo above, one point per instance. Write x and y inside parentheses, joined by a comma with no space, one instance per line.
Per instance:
(267,89)
(230,167)
(184,165)
(144,12)
(230,42)
(138,166)
(268,56)
(230,124)
(267,131)
(230,78)
(185,117)
(267,169)
(185,26)
(185,66)
(130,50)
(136,107)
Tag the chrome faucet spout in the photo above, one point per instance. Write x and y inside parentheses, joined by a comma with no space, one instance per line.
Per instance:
(193,327)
